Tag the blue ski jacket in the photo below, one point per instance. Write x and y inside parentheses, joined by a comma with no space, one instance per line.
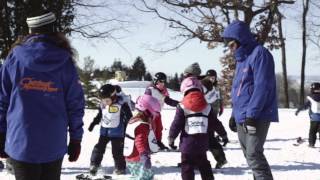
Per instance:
(254,84)
(41,100)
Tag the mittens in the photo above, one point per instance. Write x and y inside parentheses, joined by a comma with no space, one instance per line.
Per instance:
(232,124)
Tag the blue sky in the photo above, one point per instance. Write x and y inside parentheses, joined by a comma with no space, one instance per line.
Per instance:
(151,32)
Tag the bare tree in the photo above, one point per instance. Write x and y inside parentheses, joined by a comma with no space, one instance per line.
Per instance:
(304,47)
(284,60)
(205,20)
(90,19)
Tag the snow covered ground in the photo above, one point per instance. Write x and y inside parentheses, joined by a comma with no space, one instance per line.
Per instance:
(288,162)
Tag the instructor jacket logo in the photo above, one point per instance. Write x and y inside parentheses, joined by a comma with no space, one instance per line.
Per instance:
(37,85)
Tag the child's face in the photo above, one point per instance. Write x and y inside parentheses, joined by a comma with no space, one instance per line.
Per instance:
(106,101)
(160,84)
(212,79)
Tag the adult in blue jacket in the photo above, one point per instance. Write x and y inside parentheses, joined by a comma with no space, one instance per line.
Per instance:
(41,100)
(254,97)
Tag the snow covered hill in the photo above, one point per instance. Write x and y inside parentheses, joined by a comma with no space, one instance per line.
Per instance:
(288,162)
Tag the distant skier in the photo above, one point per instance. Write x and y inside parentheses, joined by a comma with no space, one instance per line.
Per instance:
(139,142)
(194,121)
(159,91)
(313,104)
(214,98)
(41,101)
(114,115)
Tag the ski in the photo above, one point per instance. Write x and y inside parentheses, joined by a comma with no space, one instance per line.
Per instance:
(89,177)
(299,141)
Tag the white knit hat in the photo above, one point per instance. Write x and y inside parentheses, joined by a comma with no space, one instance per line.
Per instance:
(38,21)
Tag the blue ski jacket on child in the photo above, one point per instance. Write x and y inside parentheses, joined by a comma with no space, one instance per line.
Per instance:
(41,99)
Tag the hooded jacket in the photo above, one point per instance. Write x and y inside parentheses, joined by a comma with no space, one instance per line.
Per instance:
(254,84)
(41,99)
(194,143)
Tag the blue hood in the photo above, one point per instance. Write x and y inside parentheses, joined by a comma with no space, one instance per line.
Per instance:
(42,55)
(241,32)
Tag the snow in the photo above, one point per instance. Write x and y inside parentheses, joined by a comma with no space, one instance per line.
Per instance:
(287,161)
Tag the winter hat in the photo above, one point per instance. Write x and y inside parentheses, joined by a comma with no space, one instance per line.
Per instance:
(38,21)
(190,83)
(43,23)
(147,102)
(193,69)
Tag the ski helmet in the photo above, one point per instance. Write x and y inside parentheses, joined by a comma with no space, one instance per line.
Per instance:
(190,83)
(118,88)
(147,102)
(211,72)
(315,87)
(107,91)
(159,76)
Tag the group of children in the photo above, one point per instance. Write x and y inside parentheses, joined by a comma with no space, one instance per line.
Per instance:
(135,137)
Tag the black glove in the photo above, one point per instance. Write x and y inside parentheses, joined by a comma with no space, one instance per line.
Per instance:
(232,124)
(74,150)
(225,140)
(171,143)
(95,121)
(3,154)
(249,126)
(297,112)
(162,146)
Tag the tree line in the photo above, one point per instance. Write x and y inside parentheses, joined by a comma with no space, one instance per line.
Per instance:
(195,19)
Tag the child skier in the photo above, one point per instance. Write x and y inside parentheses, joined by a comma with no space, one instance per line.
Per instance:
(139,144)
(195,120)
(159,91)
(213,97)
(114,115)
(212,91)
(313,104)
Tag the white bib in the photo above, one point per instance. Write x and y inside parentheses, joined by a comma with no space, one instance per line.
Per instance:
(196,122)
(129,139)
(315,106)
(111,116)
(158,95)
(212,96)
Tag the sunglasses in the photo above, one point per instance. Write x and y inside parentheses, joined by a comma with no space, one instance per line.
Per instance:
(231,44)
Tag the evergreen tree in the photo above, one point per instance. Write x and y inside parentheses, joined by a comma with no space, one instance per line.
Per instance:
(87,77)
(148,77)
(174,83)
(138,69)
(13,14)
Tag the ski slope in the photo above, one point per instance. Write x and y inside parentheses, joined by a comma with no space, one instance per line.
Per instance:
(287,162)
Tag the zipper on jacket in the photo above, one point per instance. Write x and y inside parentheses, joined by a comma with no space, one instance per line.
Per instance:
(239,90)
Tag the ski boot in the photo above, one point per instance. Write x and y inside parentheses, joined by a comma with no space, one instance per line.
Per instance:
(1,165)
(93,170)
(119,171)
(220,164)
